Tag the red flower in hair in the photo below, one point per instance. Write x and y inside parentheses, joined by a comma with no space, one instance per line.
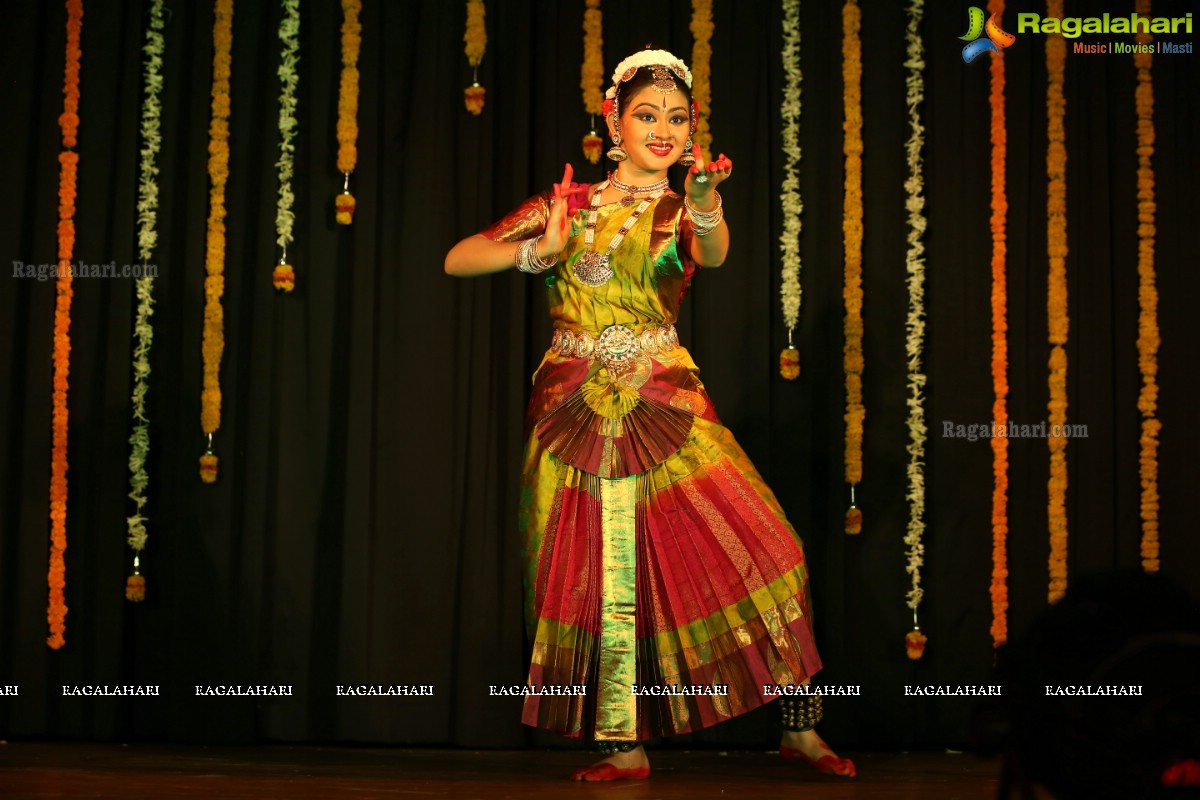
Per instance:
(607,106)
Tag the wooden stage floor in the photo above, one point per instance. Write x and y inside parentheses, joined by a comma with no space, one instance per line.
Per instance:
(88,770)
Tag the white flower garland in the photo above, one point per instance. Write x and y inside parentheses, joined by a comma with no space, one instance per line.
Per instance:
(143,332)
(649,58)
(915,324)
(789,198)
(289,36)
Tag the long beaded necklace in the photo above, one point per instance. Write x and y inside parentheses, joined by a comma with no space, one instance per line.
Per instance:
(593,268)
(630,190)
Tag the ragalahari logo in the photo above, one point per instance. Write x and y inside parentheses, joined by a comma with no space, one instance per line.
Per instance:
(997,39)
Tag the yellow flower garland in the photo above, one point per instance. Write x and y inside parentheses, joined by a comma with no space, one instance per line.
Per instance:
(1056,301)
(1148,335)
(68,160)
(476,43)
(591,76)
(999,300)
(852,230)
(214,260)
(347,124)
(702,31)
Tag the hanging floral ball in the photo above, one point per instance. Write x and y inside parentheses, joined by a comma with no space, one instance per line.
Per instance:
(789,363)
(208,468)
(284,277)
(344,205)
(473,97)
(593,146)
(135,588)
(914,643)
(854,520)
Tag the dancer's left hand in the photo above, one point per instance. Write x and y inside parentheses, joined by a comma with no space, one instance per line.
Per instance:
(716,172)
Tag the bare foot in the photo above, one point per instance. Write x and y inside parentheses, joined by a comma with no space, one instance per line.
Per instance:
(633,764)
(808,746)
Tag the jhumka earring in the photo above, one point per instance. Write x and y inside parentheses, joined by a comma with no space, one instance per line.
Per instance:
(687,159)
(616,152)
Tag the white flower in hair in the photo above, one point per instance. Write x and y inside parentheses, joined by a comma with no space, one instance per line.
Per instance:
(649,58)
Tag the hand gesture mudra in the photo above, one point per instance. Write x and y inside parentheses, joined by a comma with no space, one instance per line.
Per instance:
(703,178)
(558,224)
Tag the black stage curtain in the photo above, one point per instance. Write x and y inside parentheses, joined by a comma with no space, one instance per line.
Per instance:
(363,529)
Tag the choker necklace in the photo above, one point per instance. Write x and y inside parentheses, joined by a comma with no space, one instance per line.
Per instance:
(630,190)
(593,268)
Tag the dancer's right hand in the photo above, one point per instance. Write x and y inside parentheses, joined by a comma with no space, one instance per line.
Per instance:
(558,224)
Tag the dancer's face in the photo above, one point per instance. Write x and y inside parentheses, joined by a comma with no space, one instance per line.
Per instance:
(667,117)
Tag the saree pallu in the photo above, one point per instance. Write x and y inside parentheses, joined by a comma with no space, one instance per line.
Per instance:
(664,586)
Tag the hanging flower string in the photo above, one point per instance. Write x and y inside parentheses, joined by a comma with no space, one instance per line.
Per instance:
(284,276)
(1056,302)
(347,124)
(143,331)
(999,138)
(1148,334)
(702,31)
(68,162)
(852,230)
(591,78)
(915,323)
(214,260)
(476,43)
(790,201)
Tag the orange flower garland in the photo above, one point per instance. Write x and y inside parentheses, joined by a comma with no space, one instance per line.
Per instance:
(476,43)
(702,31)
(56,612)
(591,76)
(999,138)
(1148,336)
(347,124)
(1056,301)
(852,230)
(214,259)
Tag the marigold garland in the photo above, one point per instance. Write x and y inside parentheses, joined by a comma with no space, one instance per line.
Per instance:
(476,43)
(1056,301)
(591,76)
(347,124)
(702,31)
(790,201)
(852,230)
(915,322)
(999,139)
(214,260)
(284,276)
(143,331)
(68,161)
(1148,334)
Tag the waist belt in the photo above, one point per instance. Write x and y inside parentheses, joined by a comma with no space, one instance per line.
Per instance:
(617,345)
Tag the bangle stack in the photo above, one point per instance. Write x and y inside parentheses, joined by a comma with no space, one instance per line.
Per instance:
(526,257)
(703,222)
